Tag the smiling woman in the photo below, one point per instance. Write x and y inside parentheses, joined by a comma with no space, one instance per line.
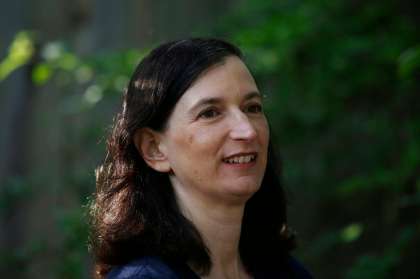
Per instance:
(190,185)
(216,138)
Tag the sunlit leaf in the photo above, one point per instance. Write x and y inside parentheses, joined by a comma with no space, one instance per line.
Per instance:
(52,51)
(93,94)
(351,233)
(41,73)
(20,52)
(84,74)
(68,61)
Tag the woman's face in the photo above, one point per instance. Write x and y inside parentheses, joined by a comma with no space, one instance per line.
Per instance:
(217,136)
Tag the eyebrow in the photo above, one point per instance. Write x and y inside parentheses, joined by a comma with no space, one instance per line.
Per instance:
(214,100)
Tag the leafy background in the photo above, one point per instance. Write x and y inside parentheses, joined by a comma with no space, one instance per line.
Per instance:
(342,85)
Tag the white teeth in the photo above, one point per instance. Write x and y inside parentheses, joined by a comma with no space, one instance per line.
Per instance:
(240,159)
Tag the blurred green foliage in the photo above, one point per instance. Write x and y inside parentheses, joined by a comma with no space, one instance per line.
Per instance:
(20,51)
(342,80)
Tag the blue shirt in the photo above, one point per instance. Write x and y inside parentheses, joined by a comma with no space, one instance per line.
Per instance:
(154,268)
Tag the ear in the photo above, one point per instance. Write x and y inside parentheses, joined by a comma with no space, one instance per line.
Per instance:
(149,146)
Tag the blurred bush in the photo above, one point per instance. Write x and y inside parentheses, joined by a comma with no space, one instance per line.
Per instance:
(342,79)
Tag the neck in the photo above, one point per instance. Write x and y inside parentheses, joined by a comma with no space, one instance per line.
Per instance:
(220,228)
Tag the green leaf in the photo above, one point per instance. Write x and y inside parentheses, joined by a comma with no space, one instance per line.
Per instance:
(20,52)
(41,73)
(409,62)
(351,233)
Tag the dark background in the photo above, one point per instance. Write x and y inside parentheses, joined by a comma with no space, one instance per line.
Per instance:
(342,80)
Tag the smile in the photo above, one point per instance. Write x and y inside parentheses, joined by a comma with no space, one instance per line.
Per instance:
(240,159)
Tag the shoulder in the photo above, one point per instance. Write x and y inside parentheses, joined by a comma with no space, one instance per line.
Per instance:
(298,269)
(143,268)
(286,268)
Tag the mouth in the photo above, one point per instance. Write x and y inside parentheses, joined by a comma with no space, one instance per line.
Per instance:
(243,158)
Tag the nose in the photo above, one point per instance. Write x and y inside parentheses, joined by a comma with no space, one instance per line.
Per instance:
(242,128)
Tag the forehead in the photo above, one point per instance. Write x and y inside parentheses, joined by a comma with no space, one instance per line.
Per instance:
(228,79)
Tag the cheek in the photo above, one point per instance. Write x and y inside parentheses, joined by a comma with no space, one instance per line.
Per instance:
(191,155)
(183,141)
(264,138)
(263,133)
(201,140)
(190,139)
(194,144)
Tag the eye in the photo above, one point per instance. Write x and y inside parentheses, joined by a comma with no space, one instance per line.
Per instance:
(209,113)
(254,108)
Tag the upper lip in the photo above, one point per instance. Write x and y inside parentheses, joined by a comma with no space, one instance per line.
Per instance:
(240,154)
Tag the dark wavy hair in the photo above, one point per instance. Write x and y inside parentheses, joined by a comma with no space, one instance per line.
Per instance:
(134,212)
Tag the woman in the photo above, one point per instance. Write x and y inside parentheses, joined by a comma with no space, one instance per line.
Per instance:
(189,187)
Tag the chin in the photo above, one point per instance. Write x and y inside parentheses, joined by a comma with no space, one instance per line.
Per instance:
(244,191)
